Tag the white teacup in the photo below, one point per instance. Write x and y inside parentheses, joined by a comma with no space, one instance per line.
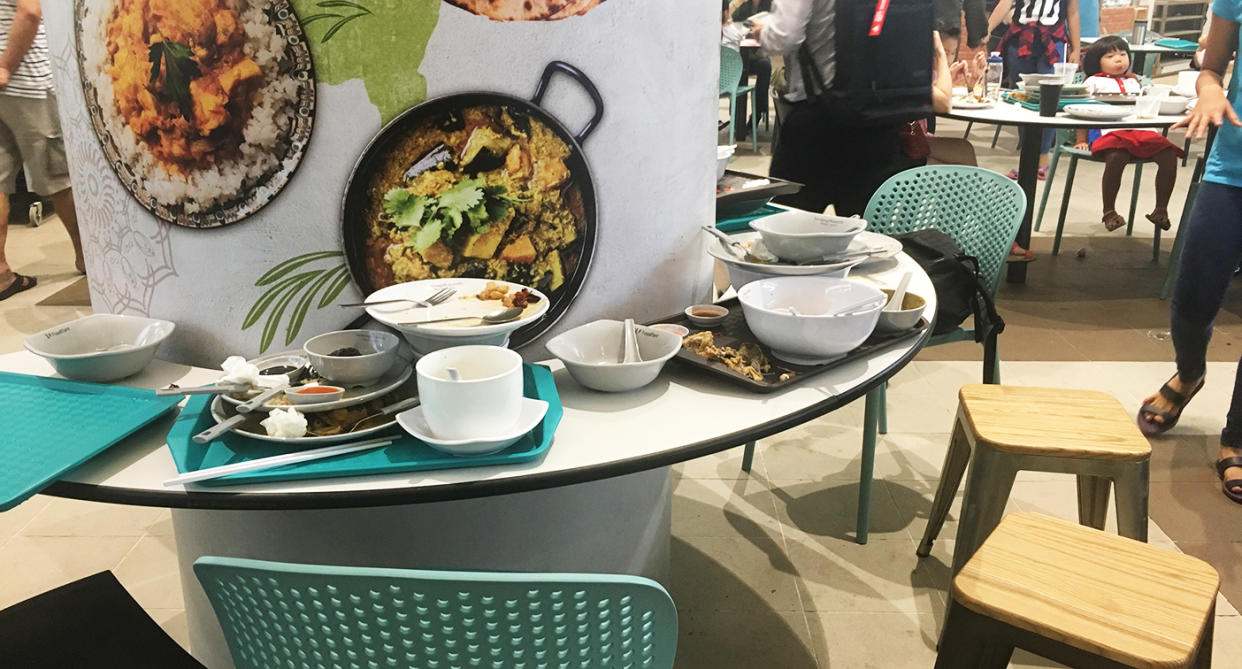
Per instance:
(486,401)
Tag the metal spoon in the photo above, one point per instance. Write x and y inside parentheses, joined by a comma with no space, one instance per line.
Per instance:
(401,405)
(261,399)
(735,247)
(499,316)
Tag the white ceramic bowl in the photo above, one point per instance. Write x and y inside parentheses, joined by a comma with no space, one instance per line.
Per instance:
(811,336)
(101,347)
(591,353)
(741,274)
(706,315)
(1173,105)
(1034,80)
(724,154)
(903,319)
(799,236)
(378,349)
(323,393)
(427,338)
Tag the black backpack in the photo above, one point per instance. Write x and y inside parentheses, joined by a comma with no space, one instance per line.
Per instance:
(960,288)
(882,78)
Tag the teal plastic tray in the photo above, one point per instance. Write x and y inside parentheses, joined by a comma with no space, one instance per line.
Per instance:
(49,426)
(738,223)
(406,454)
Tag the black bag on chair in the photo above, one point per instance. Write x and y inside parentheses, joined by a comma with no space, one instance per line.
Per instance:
(960,288)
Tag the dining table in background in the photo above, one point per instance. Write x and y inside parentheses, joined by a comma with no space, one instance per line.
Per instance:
(1004,113)
(598,501)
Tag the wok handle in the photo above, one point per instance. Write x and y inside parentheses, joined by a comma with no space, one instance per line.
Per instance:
(582,79)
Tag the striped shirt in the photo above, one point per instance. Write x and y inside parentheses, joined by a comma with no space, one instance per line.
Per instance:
(33,76)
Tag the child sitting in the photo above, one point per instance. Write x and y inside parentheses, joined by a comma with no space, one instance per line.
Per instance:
(1107,66)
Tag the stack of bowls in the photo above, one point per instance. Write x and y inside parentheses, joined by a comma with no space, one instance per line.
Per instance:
(794,237)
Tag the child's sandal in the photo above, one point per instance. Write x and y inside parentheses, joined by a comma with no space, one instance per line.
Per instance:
(1112,221)
(1161,219)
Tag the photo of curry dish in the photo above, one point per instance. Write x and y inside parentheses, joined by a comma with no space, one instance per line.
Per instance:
(484,192)
(527,10)
(203,107)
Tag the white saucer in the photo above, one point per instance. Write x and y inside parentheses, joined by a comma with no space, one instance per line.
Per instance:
(415,423)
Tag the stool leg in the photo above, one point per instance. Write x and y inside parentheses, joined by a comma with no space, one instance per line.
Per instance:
(871,423)
(1093,500)
(955,461)
(1203,655)
(987,489)
(748,456)
(967,641)
(1132,488)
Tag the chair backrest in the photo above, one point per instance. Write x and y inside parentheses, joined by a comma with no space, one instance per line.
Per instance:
(278,614)
(978,208)
(730,69)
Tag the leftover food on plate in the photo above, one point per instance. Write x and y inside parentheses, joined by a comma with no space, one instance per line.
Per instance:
(527,10)
(483,192)
(747,359)
(499,291)
(293,424)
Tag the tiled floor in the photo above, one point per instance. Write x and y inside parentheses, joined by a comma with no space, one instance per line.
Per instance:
(764,571)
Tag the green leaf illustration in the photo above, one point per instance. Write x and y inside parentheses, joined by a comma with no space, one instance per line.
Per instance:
(299,311)
(266,299)
(292,264)
(278,310)
(292,284)
(335,289)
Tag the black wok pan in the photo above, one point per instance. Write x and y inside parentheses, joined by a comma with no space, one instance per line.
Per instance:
(356,227)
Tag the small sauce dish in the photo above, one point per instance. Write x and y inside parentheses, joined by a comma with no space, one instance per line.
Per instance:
(314,394)
(706,315)
(679,330)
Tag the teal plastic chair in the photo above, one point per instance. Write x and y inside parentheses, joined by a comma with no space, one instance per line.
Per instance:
(276,614)
(730,80)
(978,208)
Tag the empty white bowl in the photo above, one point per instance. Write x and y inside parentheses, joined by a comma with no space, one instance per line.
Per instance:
(377,354)
(1173,105)
(724,154)
(903,319)
(101,347)
(592,354)
(799,236)
(812,335)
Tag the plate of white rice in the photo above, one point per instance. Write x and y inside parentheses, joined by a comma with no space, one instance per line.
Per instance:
(204,112)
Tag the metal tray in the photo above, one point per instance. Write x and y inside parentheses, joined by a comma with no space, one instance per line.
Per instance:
(734,199)
(733,332)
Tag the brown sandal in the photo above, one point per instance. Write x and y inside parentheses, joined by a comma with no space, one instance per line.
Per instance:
(1113,220)
(1161,219)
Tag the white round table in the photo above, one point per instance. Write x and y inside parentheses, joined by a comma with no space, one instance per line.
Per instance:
(598,501)
(1003,113)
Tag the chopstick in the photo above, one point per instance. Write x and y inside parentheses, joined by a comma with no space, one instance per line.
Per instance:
(277,460)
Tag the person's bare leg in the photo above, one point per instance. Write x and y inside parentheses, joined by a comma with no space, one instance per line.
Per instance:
(1114,165)
(1162,403)
(1166,176)
(68,213)
(6,272)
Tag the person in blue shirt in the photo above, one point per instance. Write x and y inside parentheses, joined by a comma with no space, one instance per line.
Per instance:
(1213,248)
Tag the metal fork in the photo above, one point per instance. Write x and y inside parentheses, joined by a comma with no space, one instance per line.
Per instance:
(440,296)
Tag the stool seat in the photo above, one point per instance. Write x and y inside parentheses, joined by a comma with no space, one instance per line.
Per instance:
(1052,421)
(1109,596)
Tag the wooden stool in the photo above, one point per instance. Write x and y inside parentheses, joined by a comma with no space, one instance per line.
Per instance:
(1011,428)
(1078,596)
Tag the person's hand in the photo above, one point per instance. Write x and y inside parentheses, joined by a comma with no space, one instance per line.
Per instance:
(1071,55)
(1211,110)
(957,71)
(756,27)
(1082,146)
(4,76)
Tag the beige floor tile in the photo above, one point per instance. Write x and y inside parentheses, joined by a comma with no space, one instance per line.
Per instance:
(732,574)
(13,520)
(875,640)
(758,639)
(882,576)
(149,572)
(32,565)
(172,621)
(714,508)
(827,510)
(70,517)
(1227,641)
(914,505)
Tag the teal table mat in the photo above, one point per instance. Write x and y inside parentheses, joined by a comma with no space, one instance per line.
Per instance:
(1034,106)
(49,426)
(743,222)
(406,454)
(1179,44)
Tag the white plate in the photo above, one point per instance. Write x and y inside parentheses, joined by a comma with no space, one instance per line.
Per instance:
(1098,112)
(390,381)
(887,247)
(462,304)
(251,428)
(415,423)
(971,104)
(717,251)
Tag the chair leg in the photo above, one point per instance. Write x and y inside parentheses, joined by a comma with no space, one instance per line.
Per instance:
(968,640)
(1093,500)
(1175,255)
(748,456)
(969,125)
(1065,199)
(1134,193)
(1132,483)
(996,136)
(732,117)
(988,484)
(1052,176)
(991,360)
(955,461)
(1155,244)
(1186,151)
(754,120)
(871,421)
(883,424)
